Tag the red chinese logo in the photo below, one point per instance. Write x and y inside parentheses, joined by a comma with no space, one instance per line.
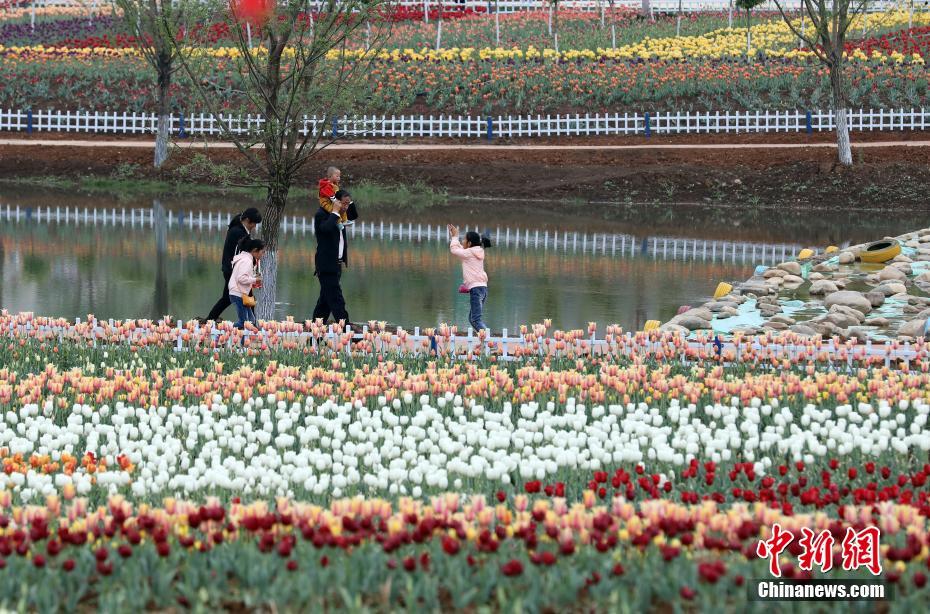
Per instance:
(859,549)
(816,550)
(772,547)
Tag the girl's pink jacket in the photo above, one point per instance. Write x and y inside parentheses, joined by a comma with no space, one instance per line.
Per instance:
(472,264)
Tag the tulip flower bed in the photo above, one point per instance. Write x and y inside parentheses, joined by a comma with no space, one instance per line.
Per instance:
(67,80)
(452,552)
(137,476)
(81,67)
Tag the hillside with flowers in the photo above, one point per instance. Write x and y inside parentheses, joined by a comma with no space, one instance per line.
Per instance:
(82,64)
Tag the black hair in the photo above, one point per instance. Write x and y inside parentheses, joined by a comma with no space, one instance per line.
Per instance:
(474,239)
(342,194)
(252,214)
(249,244)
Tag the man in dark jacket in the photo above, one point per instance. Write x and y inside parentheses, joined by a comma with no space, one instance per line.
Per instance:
(331,256)
(240,227)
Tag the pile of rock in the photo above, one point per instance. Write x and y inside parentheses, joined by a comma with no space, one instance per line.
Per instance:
(828,283)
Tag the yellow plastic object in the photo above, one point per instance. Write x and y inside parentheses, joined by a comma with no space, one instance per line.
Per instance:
(880,251)
(651,325)
(805,253)
(723,288)
(831,250)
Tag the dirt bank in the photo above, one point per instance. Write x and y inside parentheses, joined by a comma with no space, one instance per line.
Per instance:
(797,178)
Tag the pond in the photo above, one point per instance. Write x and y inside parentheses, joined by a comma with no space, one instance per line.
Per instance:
(72,255)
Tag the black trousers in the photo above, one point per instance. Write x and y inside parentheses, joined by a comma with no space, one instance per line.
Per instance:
(331,300)
(224,302)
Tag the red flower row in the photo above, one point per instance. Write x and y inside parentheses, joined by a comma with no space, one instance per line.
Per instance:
(908,42)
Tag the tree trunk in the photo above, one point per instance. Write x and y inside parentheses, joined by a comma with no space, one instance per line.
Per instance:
(678,21)
(646,9)
(837,85)
(164,115)
(271,226)
(160,222)
(439,27)
(730,14)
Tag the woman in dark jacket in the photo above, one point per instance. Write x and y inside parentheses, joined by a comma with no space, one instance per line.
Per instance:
(240,227)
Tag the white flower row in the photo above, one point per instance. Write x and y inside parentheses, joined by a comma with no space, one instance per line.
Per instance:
(270,448)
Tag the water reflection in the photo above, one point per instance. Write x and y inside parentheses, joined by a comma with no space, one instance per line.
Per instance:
(68,255)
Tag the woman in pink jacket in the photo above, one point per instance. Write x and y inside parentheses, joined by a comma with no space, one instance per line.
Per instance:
(471,253)
(243,278)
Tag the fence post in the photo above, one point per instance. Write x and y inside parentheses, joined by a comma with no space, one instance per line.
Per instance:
(648,128)
(810,128)
(181,132)
(335,127)
(490,129)
(29,121)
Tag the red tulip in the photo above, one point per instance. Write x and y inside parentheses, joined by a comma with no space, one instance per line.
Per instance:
(687,593)
(513,567)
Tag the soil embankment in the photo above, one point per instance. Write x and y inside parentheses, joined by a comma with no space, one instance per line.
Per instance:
(800,178)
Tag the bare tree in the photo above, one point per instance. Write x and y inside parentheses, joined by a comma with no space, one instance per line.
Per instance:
(153,23)
(646,10)
(830,21)
(302,65)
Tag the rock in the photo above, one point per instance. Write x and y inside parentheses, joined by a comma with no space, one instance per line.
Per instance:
(803,329)
(912,328)
(842,320)
(925,276)
(924,238)
(911,309)
(783,319)
(876,299)
(857,334)
(899,297)
(902,262)
(673,328)
(770,273)
(891,273)
(891,288)
(824,268)
(879,322)
(912,243)
(846,257)
(717,306)
(690,322)
(793,268)
(853,313)
(757,288)
(848,298)
(701,312)
(792,280)
(815,276)
(775,325)
(827,329)
(823,286)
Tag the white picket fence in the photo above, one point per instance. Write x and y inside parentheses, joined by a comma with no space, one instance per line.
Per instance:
(471,127)
(621,245)
(512,6)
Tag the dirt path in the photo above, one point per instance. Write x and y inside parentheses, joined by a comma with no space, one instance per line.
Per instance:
(466,147)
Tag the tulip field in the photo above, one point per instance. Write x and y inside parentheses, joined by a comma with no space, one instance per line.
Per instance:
(82,64)
(277,467)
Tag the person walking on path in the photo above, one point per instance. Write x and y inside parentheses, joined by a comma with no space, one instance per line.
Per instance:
(332,255)
(475,283)
(244,278)
(240,228)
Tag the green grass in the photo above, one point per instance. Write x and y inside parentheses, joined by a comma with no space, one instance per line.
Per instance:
(123,185)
